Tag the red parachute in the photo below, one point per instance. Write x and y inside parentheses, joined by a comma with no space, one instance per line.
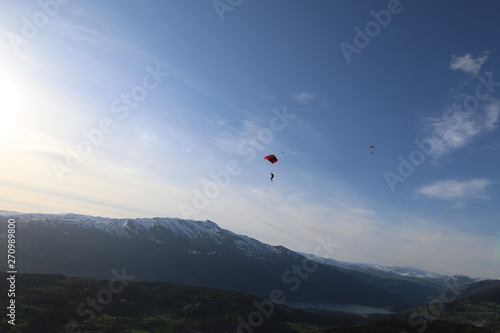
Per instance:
(271,158)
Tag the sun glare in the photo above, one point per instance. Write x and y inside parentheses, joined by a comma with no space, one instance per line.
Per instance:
(10,98)
(19,102)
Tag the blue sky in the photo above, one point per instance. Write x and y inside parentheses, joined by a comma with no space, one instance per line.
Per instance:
(155,108)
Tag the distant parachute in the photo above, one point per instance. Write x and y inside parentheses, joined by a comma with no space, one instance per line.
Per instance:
(371,147)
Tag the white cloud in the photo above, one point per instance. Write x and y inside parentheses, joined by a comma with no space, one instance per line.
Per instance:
(455,190)
(468,63)
(492,111)
(461,123)
(304,97)
(458,130)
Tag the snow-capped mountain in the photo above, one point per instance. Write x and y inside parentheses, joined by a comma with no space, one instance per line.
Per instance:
(397,272)
(193,253)
(363,267)
(205,237)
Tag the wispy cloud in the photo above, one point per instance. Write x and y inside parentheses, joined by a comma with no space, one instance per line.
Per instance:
(468,63)
(464,120)
(456,131)
(304,97)
(236,140)
(456,190)
(492,112)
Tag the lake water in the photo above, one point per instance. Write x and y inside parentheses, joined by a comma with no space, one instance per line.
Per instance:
(336,307)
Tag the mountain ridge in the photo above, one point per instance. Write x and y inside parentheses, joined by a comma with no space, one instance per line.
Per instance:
(145,227)
(197,253)
(194,229)
(388,270)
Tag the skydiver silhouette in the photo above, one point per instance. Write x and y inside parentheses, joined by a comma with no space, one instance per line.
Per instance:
(272,176)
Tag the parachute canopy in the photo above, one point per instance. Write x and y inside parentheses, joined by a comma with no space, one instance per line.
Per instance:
(271,158)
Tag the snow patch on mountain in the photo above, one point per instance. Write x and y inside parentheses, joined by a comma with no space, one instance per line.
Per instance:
(363,267)
(202,233)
